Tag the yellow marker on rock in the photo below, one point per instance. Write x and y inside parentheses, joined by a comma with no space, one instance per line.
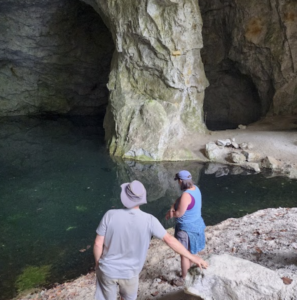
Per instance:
(176,53)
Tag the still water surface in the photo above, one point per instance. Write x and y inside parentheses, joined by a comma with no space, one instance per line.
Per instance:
(57,180)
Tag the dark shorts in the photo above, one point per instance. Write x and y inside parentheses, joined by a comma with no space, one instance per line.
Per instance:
(183,238)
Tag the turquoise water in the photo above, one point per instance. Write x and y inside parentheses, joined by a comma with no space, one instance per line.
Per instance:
(57,180)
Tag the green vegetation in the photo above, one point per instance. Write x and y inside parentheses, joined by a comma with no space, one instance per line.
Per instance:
(32,277)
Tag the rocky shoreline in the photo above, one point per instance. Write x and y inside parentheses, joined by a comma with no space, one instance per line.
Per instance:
(267,237)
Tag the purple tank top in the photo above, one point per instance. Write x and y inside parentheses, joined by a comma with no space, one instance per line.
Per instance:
(190,206)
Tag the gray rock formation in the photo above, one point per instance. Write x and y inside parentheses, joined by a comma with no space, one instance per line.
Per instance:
(270,163)
(54,58)
(237,157)
(233,278)
(157,78)
(250,59)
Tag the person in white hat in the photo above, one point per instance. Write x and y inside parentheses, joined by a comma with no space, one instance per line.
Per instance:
(122,241)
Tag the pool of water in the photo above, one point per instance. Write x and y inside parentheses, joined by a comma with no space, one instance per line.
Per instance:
(57,180)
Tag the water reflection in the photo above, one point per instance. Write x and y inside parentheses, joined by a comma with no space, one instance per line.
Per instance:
(158,178)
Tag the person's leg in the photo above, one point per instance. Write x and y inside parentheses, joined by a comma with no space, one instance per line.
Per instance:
(183,238)
(128,288)
(185,265)
(106,288)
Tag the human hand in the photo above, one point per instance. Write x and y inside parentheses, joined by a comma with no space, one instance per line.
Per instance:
(199,262)
(169,214)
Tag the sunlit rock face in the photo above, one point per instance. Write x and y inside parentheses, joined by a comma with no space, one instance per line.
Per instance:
(54,58)
(250,57)
(157,79)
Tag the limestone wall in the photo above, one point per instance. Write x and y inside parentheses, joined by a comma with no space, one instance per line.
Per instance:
(250,57)
(157,78)
(54,57)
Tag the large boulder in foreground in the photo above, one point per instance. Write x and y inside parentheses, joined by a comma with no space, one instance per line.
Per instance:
(157,78)
(233,278)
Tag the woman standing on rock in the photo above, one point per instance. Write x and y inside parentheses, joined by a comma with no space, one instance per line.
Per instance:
(189,228)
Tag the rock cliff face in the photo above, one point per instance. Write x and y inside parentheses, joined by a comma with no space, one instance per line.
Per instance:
(157,79)
(54,57)
(250,57)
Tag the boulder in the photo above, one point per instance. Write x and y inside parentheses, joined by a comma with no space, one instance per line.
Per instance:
(251,156)
(224,143)
(213,152)
(234,145)
(270,163)
(251,166)
(233,278)
(237,157)
(291,172)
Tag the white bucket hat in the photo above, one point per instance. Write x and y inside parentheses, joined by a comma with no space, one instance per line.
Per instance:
(133,194)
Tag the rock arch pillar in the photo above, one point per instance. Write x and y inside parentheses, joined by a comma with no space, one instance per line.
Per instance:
(157,79)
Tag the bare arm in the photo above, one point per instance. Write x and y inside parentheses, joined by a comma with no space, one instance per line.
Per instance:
(98,248)
(184,202)
(175,245)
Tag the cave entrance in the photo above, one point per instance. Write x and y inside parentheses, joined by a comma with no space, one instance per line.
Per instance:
(93,48)
(56,62)
(230,100)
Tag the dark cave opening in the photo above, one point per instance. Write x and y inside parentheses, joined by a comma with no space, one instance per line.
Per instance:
(231,100)
(54,59)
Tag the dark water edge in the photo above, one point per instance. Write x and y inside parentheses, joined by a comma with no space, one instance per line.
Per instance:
(57,180)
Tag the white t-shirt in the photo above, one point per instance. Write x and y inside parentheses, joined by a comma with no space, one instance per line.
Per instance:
(127,235)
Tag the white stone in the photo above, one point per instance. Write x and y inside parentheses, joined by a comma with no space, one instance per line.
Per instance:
(224,143)
(241,126)
(233,278)
(235,145)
